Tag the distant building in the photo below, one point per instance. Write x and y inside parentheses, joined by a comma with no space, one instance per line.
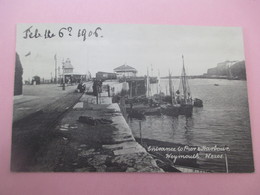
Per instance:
(221,69)
(18,79)
(105,75)
(226,64)
(70,75)
(67,67)
(125,71)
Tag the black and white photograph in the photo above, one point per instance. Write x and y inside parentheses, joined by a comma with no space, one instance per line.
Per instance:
(130,98)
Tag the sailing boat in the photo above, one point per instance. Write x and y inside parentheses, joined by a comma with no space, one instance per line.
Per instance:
(173,108)
(184,97)
(153,107)
(150,106)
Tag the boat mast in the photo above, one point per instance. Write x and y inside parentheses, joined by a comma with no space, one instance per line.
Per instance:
(159,82)
(170,86)
(173,94)
(184,81)
(159,85)
(147,84)
(171,89)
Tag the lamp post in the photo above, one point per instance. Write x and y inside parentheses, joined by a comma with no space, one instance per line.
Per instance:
(59,80)
(55,59)
(63,83)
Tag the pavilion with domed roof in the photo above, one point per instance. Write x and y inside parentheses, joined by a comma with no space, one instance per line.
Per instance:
(69,74)
(125,71)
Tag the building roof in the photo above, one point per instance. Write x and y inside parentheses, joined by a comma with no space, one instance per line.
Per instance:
(73,73)
(100,72)
(67,64)
(125,68)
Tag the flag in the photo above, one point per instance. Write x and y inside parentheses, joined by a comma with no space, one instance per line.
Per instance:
(29,53)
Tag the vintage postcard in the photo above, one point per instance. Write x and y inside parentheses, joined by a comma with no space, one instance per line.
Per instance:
(130,98)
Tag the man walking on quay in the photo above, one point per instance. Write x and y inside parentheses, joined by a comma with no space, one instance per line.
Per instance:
(97,87)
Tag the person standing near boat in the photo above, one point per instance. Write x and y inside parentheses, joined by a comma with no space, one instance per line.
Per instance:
(178,99)
(189,98)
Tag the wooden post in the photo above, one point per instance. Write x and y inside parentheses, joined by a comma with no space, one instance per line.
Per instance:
(97,93)
(140,127)
(108,90)
(226,161)
(122,100)
(131,89)
(136,82)
(99,98)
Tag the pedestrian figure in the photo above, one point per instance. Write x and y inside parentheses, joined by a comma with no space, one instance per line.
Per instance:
(81,87)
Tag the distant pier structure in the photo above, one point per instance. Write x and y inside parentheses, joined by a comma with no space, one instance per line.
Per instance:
(137,85)
(105,76)
(125,71)
(69,74)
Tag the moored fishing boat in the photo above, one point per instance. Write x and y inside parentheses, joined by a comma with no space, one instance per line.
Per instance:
(181,101)
(198,102)
(184,97)
(175,104)
(172,108)
(143,105)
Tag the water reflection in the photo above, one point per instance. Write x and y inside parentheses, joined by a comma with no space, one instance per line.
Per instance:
(224,120)
(188,134)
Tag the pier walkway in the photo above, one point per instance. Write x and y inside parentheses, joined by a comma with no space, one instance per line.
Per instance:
(37,97)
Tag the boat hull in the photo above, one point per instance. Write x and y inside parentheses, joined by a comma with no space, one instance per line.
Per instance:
(186,109)
(198,103)
(171,111)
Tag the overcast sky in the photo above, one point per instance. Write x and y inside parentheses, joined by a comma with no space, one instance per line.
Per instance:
(139,46)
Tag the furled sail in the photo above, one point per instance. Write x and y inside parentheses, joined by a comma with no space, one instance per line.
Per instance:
(184,88)
(171,89)
(148,87)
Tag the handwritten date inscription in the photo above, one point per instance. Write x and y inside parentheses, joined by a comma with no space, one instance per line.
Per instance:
(83,34)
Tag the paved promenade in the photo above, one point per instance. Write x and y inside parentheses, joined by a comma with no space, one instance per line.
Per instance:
(36,97)
(35,130)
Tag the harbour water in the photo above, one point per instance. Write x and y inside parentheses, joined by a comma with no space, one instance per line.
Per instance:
(223,121)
